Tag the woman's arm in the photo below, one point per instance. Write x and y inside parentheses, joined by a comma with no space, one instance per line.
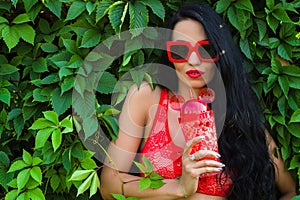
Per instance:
(115,177)
(284,180)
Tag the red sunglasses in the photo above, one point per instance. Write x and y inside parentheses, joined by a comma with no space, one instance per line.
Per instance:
(180,51)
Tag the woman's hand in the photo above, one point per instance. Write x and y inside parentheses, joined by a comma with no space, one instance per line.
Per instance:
(193,166)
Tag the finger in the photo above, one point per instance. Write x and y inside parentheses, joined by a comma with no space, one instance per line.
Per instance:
(197,172)
(207,163)
(204,153)
(190,144)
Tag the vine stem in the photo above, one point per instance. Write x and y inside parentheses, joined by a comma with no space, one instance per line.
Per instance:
(109,158)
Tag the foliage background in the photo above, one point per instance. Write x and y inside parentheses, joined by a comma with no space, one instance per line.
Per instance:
(43,45)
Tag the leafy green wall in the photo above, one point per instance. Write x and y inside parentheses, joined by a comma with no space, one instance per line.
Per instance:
(43,46)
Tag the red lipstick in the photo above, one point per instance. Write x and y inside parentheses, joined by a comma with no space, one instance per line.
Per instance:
(194,73)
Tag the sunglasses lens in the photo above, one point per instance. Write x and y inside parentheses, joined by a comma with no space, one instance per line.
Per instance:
(179,52)
(207,51)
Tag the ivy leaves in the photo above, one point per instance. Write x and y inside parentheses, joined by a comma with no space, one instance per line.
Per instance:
(51,126)
(138,13)
(28,180)
(151,179)
(242,16)
(11,34)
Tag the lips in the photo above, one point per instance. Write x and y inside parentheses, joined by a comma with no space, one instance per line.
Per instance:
(194,73)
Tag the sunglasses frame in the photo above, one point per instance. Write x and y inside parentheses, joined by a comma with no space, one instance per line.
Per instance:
(191,49)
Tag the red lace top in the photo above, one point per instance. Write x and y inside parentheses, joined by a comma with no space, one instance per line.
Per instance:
(166,156)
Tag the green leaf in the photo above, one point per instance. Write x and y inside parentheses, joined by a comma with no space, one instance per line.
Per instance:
(28,4)
(294,128)
(17,165)
(3,20)
(56,139)
(42,136)
(140,166)
(5,96)
(273,43)
(10,36)
(21,18)
(111,124)
(295,116)
(282,105)
(5,178)
(156,184)
(90,38)
(284,85)
(86,184)
(27,157)
(144,183)
(61,103)
(36,161)
(51,116)
(292,70)
(119,196)
(6,69)
(41,123)
(90,7)
(139,18)
(88,163)
(22,178)
(49,48)
(270,4)
(36,194)
(281,15)
(26,32)
(222,5)
(4,160)
(156,7)
(75,10)
(106,83)
(262,28)
(79,175)
(246,49)
(95,185)
(115,14)
(236,18)
(280,119)
(55,7)
(14,113)
(295,162)
(54,182)
(36,174)
(272,22)
(155,176)
(245,5)
(13,194)
(285,52)
(147,164)
(40,65)
(103,8)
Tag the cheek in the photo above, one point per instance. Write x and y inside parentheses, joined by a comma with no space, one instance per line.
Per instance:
(179,67)
(210,72)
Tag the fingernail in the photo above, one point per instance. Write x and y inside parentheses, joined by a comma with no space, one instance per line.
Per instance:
(218,155)
(200,137)
(192,157)
(219,168)
(222,165)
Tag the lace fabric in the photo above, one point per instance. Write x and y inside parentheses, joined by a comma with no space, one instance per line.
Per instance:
(165,156)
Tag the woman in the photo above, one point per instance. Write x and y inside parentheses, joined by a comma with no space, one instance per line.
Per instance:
(245,166)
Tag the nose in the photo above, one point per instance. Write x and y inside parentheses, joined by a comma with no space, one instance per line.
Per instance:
(193,59)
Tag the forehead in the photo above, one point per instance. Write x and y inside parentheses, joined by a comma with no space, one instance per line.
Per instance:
(189,30)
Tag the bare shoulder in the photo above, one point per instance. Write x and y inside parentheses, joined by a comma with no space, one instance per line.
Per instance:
(144,94)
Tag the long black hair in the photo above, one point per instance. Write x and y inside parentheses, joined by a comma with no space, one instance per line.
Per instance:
(242,143)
